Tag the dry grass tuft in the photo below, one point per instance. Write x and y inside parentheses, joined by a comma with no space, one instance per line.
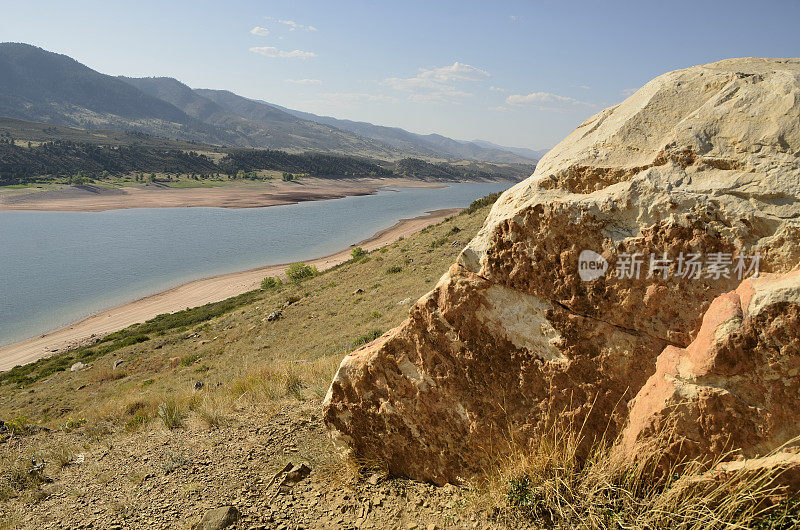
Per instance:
(545,482)
(20,474)
(212,410)
(275,381)
(172,412)
(105,373)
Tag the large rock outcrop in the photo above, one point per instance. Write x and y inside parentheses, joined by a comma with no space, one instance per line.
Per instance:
(699,162)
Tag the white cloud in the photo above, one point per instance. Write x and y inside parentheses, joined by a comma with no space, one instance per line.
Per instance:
(293,25)
(497,89)
(585,87)
(304,81)
(499,108)
(629,91)
(272,51)
(545,101)
(438,84)
(514,18)
(261,32)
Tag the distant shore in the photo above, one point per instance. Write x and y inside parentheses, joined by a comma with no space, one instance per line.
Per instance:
(191,294)
(230,195)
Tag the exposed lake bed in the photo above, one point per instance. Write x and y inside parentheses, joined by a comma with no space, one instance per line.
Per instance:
(207,193)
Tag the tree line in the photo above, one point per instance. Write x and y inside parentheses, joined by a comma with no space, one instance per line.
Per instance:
(21,162)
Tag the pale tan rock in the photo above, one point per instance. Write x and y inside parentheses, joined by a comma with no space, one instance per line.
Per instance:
(783,468)
(699,160)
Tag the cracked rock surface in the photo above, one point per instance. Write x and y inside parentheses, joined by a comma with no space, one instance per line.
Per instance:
(699,161)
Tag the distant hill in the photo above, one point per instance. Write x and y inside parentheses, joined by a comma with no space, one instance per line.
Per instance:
(289,132)
(425,145)
(255,124)
(38,85)
(41,86)
(534,154)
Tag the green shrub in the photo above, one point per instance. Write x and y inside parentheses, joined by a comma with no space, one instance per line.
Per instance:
(477,204)
(358,253)
(271,282)
(19,425)
(140,418)
(73,423)
(438,242)
(297,272)
(190,359)
(394,269)
(367,337)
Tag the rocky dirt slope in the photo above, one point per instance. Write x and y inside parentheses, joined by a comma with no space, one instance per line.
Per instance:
(172,479)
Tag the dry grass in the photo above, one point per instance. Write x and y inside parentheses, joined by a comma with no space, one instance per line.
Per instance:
(546,483)
(172,411)
(213,410)
(105,373)
(22,473)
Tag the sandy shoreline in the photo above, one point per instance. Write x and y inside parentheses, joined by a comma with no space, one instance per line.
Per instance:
(90,198)
(191,294)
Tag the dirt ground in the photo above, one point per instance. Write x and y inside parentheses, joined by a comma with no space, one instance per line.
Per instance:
(170,478)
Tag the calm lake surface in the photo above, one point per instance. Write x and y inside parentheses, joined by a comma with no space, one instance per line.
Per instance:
(58,267)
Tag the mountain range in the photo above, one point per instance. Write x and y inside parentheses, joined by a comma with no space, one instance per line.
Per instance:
(41,86)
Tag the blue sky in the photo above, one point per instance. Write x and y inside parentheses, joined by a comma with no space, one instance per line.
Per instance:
(521,73)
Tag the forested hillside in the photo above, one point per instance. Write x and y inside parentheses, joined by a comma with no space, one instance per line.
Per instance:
(317,164)
(19,165)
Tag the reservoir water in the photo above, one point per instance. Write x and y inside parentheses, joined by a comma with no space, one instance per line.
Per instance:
(58,267)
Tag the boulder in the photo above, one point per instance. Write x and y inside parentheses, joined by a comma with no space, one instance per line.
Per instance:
(77,367)
(218,519)
(700,166)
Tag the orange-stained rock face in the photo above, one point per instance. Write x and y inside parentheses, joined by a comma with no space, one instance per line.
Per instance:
(699,161)
(737,386)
